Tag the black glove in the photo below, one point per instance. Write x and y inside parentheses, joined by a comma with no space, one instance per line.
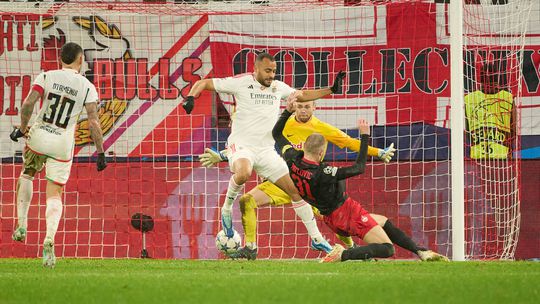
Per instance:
(16,134)
(188,104)
(101,162)
(338,82)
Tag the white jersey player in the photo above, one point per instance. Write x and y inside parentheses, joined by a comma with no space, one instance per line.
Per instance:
(250,145)
(50,140)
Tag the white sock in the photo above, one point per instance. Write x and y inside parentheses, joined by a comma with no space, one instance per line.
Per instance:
(304,211)
(53,213)
(232,193)
(25,189)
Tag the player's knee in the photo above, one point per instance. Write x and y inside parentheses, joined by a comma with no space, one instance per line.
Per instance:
(241,176)
(389,250)
(247,202)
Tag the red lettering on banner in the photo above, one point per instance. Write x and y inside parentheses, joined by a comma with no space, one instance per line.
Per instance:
(166,89)
(103,78)
(12,82)
(10,85)
(189,67)
(8,22)
(144,89)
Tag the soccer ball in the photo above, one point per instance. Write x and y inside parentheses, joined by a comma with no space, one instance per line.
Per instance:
(228,245)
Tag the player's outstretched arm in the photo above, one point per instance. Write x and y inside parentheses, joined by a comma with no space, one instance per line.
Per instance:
(26,113)
(360,164)
(308,95)
(96,134)
(196,89)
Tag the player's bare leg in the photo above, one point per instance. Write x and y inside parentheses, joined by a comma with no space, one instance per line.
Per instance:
(304,211)
(398,237)
(25,191)
(242,169)
(53,214)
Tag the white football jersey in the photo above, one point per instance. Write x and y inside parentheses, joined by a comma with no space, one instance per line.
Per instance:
(257,108)
(64,93)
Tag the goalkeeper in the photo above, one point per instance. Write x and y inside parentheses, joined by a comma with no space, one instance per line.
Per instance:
(297,129)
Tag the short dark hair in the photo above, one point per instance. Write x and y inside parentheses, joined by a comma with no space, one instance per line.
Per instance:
(314,143)
(70,52)
(263,56)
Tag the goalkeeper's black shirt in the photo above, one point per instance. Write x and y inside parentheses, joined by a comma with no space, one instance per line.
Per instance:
(321,185)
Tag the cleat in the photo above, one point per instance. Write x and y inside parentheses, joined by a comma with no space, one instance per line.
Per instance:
(226,222)
(244,253)
(334,255)
(49,260)
(431,256)
(321,246)
(19,234)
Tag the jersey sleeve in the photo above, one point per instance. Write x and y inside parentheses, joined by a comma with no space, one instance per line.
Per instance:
(285,90)
(39,83)
(342,140)
(227,85)
(91,94)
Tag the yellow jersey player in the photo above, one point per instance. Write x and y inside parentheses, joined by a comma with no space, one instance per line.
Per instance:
(489,115)
(297,129)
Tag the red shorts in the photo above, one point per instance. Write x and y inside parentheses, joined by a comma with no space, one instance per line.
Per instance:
(350,219)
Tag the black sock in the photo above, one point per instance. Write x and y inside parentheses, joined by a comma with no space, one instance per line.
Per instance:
(385,250)
(399,237)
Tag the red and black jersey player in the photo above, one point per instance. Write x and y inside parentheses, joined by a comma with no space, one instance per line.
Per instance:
(323,186)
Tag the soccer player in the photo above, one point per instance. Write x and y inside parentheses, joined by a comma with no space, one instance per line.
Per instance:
(323,186)
(297,129)
(50,140)
(250,145)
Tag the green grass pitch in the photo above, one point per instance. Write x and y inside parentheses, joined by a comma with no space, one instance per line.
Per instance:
(296,281)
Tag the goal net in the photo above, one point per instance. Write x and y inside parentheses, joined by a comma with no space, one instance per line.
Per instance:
(144,57)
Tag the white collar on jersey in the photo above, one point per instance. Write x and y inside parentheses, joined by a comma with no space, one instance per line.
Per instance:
(68,69)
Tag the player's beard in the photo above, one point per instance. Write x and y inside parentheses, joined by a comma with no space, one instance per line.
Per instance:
(266,82)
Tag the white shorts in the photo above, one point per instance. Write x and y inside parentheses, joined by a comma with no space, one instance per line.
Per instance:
(265,161)
(55,171)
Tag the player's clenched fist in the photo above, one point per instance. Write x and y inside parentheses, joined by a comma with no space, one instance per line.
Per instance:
(101,162)
(16,134)
(338,82)
(363,126)
(188,104)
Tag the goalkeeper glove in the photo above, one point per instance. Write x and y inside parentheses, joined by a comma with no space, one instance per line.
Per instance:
(16,134)
(338,82)
(210,157)
(188,104)
(101,162)
(387,153)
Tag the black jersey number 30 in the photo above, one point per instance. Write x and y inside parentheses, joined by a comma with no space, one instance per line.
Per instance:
(61,120)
